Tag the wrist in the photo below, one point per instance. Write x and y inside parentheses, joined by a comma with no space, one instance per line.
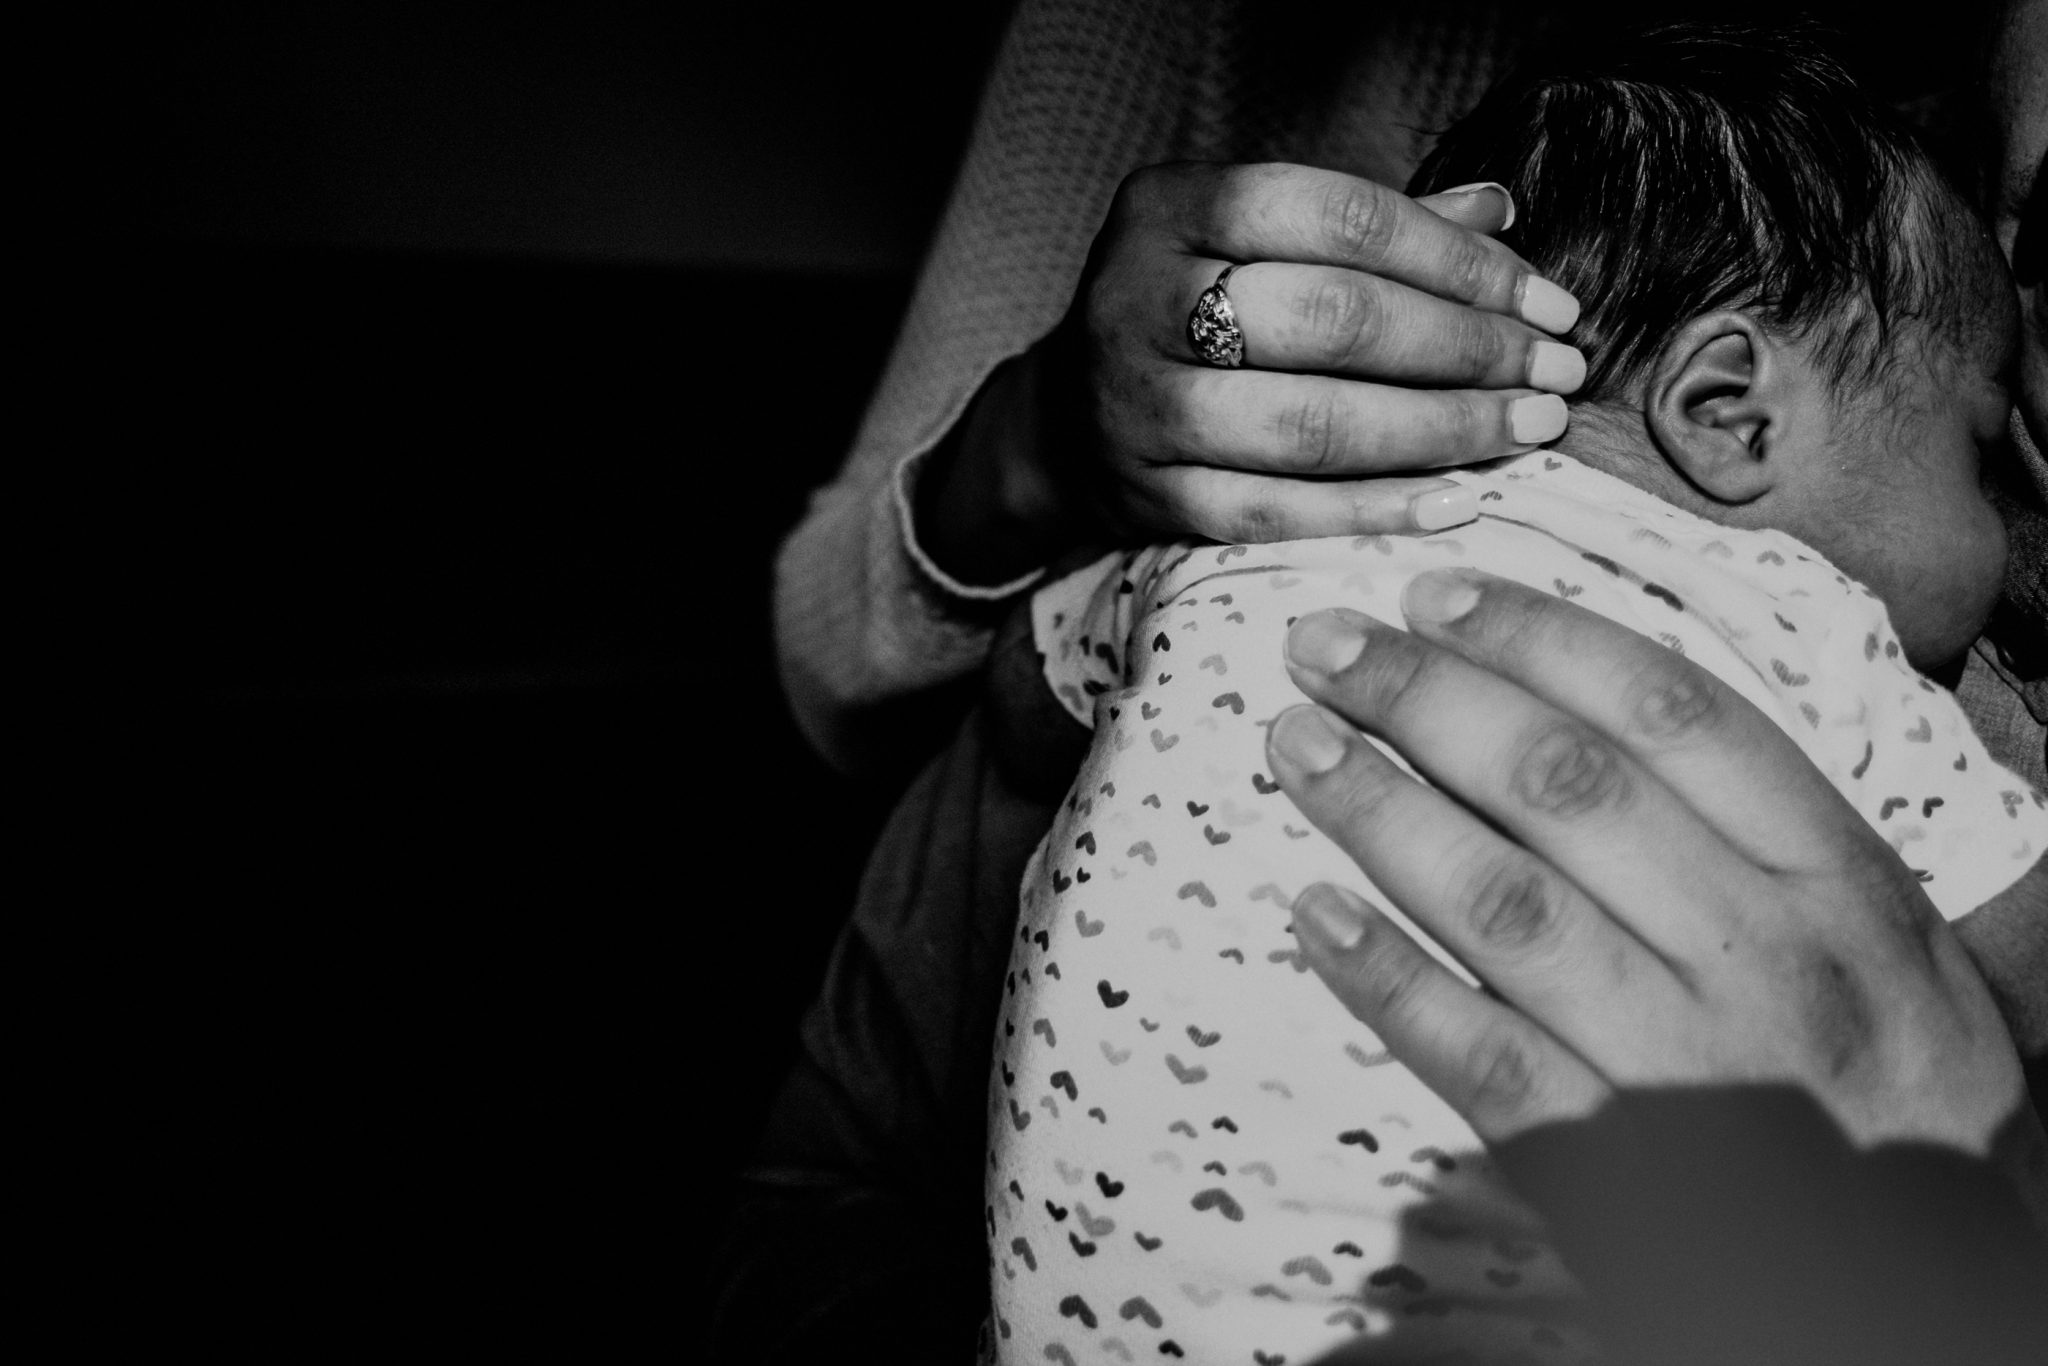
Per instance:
(986,508)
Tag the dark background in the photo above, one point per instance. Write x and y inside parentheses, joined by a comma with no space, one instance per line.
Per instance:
(485,354)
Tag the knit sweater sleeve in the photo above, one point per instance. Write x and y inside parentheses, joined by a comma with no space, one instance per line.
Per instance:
(863,619)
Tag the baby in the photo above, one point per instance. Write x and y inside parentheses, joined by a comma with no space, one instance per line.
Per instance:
(1796,334)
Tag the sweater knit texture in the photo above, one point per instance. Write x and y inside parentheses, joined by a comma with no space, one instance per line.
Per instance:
(1084,92)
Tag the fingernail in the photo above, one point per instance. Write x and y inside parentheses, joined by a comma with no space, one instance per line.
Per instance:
(1554,366)
(1438,596)
(1476,186)
(1305,738)
(1439,508)
(1331,915)
(1532,421)
(1546,306)
(1326,642)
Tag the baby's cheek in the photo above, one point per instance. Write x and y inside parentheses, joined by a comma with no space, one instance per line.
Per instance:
(1974,568)
(1940,571)
(1989,539)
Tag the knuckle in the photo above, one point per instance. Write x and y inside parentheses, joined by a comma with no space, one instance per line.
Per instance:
(1146,185)
(1835,1014)
(1259,519)
(1468,271)
(1566,771)
(1339,313)
(1130,205)
(1392,987)
(1482,347)
(1358,218)
(1671,701)
(1392,673)
(1317,429)
(1509,905)
(1513,638)
(1462,423)
(1519,631)
(1504,1074)
(1365,797)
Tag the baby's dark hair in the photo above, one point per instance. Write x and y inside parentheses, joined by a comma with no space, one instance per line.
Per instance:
(1672,171)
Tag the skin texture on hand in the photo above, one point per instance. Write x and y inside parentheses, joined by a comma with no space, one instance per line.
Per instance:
(1726,1043)
(1657,883)
(1383,336)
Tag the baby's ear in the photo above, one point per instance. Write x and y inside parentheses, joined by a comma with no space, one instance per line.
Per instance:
(1716,404)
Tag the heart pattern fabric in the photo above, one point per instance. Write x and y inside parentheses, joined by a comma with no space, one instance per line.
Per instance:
(1259,1174)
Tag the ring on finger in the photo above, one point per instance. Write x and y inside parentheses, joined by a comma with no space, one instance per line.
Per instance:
(1213,329)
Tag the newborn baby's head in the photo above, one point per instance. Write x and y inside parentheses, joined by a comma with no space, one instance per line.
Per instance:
(1791,319)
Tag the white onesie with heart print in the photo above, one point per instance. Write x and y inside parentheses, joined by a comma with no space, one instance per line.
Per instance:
(1196,1153)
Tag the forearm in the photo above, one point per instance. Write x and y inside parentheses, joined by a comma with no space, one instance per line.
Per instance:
(891,588)
(861,636)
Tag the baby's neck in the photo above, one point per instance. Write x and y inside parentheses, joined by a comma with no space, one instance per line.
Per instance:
(1616,444)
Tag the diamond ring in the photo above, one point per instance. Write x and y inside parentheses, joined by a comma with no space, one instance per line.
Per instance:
(1213,329)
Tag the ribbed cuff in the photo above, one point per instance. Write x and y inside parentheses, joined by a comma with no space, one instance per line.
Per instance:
(903,492)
